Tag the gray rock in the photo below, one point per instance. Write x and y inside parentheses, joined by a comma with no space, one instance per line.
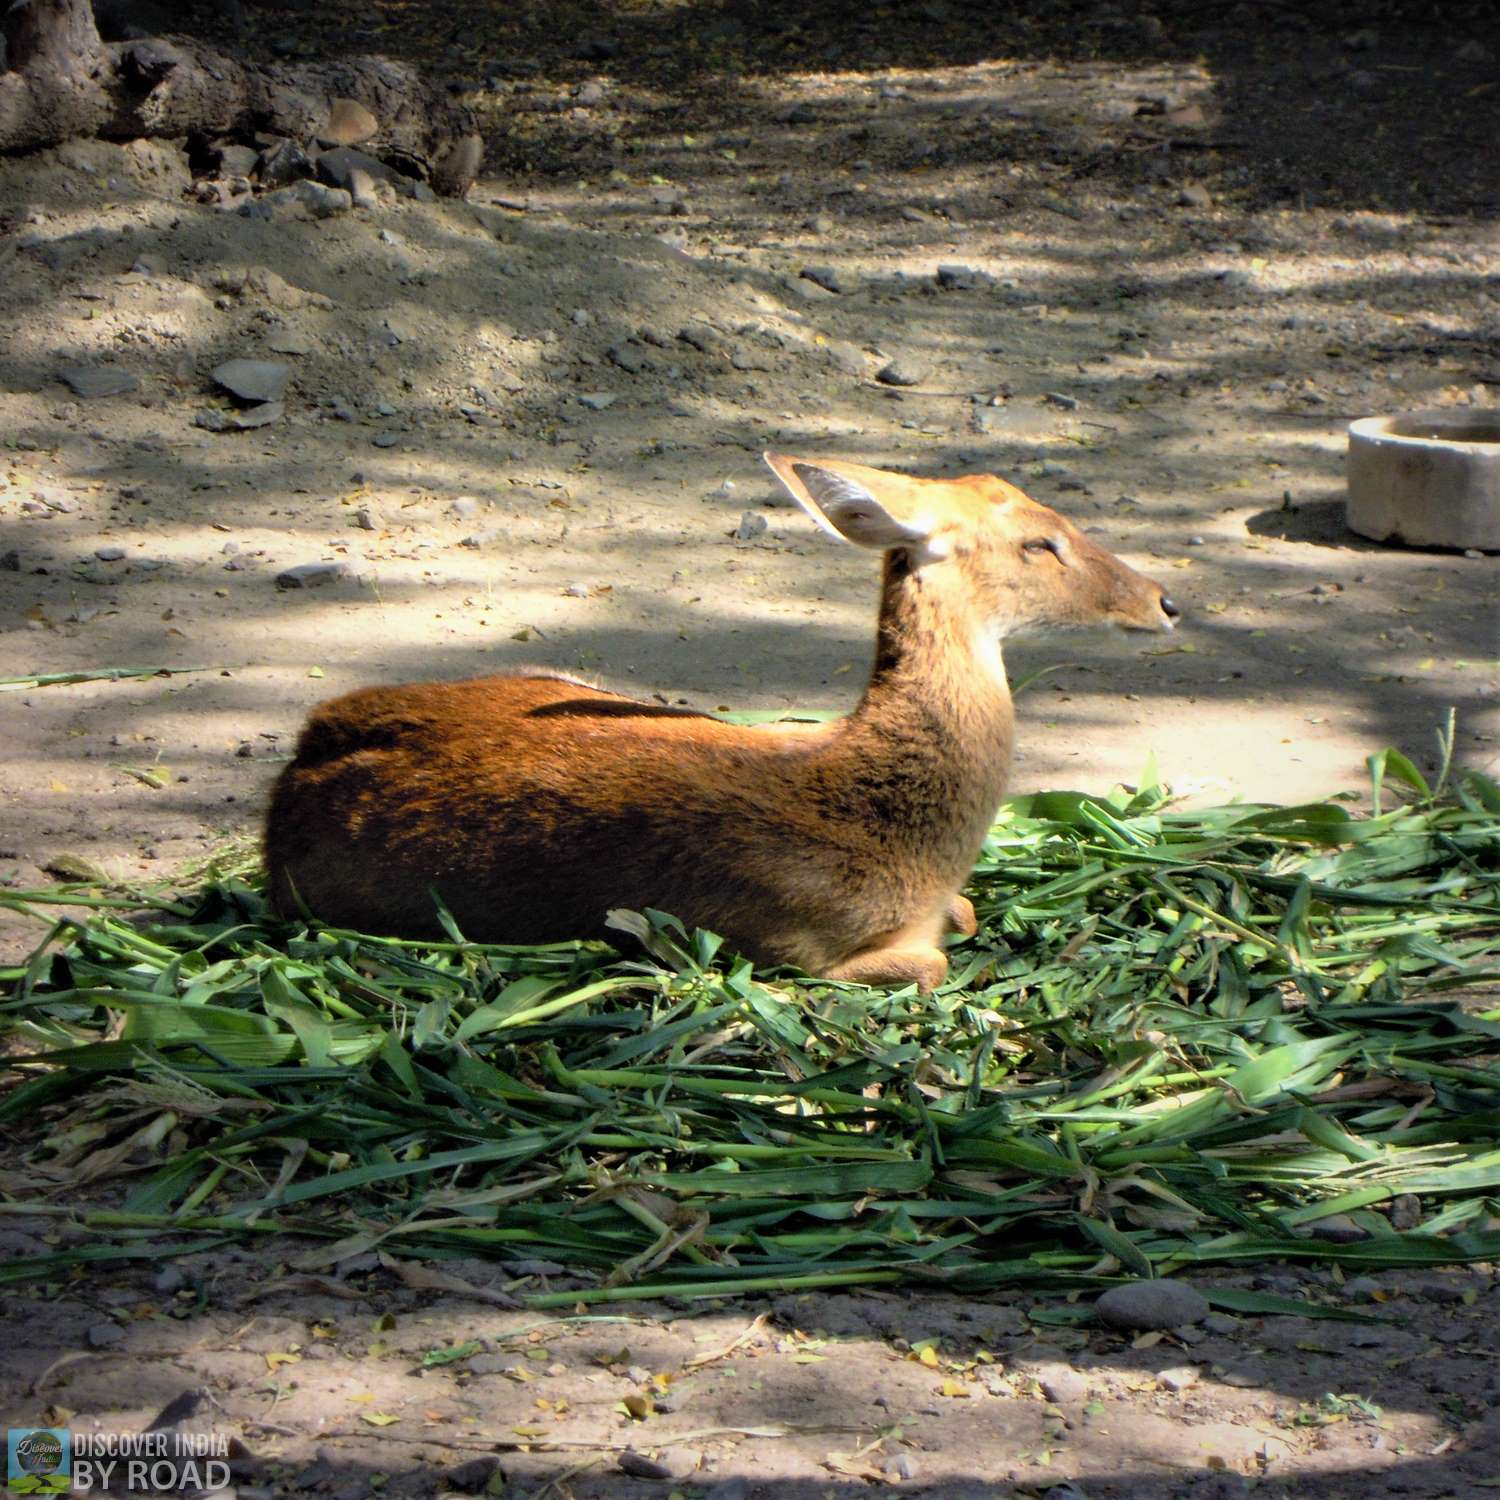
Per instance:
(288,342)
(750,527)
(1194,195)
(1151,1304)
(104,1335)
(213,419)
(1178,1378)
(1060,399)
(109,554)
(284,162)
(1337,1229)
(92,381)
(962,278)
(386,439)
(598,400)
(638,1466)
(630,357)
(1362,1288)
(312,197)
(465,507)
(253,380)
(338,166)
(1221,1324)
(10,562)
(366,519)
(472,1477)
(1063,1385)
(238,161)
(311,575)
(1405,1211)
(827,277)
(901,372)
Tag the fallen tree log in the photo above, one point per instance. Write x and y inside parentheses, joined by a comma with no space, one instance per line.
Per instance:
(62,81)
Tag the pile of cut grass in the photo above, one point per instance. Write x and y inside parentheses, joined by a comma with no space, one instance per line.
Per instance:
(1182,1038)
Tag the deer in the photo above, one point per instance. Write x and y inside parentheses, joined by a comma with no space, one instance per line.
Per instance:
(533,805)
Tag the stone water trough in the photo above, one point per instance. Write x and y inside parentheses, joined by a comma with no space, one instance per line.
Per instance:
(1427,478)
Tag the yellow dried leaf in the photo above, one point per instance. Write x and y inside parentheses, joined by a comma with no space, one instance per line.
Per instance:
(954,1388)
(275,1361)
(378,1418)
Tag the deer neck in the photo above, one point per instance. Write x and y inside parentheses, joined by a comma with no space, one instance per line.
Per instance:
(934,728)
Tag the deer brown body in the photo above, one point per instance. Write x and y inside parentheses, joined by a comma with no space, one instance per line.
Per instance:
(534,804)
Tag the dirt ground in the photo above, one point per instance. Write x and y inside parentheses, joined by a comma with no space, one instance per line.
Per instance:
(529,427)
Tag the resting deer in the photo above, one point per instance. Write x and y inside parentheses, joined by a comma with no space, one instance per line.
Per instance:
(533,804)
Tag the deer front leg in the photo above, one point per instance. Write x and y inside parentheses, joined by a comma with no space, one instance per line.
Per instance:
(961,918)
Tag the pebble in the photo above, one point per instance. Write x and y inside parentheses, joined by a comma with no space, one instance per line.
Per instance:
(311,575)
(1063,1385)
(471,1476)
(962,278)
(366,519)
(1151,1304)
(1221,1324)
(92,381)
(901,372)
(1059,398)
(1337,1229)
(386,439)
(1362,1288)
(901,1467)
(337,167)
(751,526)
(638,1466)
(1196,541)
(109,554)
(827,277)
(628,356)
(1051,469)
(466,507)
(10,562)
(1194,195)
(104,1335)
(253,380)
(289,343)
(598,400)
(212,419)
(1178,1378)
(320,201)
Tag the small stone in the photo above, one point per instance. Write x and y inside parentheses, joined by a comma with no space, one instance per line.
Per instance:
(1221,1324)
(628,356)
(827,277)
(901,1467)
(1151,1304)
(1051,469)
(598,400)
(109,554)
(91,382)
(1178,1378)
(1242,1380)
(750,527)
(1337,1229)
(962,278)
(819,224)
(168,1280)
(311,575)
(253,380)
(1060,399)
(289,343)
(104,1336)
(319,201)
(466,507)
(338,166)
(901,372)
(10,562)
(349,123)
(590,94)
(471,1476)
(366,519)
(638,1466)
(386,439)
(1196,541)
(284,162)
(1362,1289)
(1063,1384)
(1194,195)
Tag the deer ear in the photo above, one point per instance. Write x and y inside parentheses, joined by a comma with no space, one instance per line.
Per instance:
(843,507)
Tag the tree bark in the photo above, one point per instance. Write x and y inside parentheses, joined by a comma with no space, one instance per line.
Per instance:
(65,82)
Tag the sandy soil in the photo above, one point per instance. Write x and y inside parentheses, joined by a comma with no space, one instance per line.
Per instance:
(529,426)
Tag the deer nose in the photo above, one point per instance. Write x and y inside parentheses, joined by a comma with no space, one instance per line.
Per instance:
(1169,609)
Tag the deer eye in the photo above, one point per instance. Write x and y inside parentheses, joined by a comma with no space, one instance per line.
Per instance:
(1045,544)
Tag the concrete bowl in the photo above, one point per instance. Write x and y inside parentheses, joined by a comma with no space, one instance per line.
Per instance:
(1427,478)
